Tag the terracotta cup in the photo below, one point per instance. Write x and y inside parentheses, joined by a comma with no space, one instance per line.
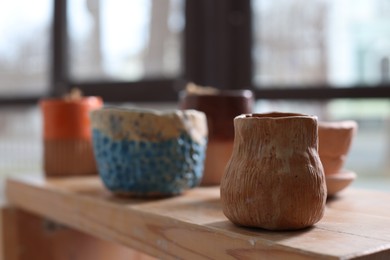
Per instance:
(335,139)
(67,136)
(274,179)
(220,107)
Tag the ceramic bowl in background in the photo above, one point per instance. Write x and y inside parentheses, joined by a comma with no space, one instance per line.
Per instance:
(220,107)
(147,153)
(334,142)
(337,182)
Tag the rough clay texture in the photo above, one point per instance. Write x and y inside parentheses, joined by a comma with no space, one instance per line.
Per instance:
(147,153)
(274,179)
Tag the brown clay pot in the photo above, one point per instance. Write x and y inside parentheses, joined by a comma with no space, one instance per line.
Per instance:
(220,107)
(337,182)
(335,139)
(274,179)
(67,136)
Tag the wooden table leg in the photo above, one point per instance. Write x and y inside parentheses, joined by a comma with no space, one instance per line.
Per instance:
(27,236)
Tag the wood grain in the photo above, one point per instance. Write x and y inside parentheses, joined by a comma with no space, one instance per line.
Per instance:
(192,226)
(25,236)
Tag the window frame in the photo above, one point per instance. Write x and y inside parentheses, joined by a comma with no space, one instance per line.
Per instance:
(148,90)
(217,52)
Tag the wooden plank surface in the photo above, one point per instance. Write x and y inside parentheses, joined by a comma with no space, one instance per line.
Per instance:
(25,236)
(192,226)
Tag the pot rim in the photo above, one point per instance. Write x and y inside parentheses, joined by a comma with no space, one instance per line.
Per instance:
(275,115)
(145,111)
(149,124)
(220,93)
(336,125)
(85,100)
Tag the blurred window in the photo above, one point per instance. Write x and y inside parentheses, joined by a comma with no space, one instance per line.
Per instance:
(125,40)
(24,42)
(338,43)
(329,44)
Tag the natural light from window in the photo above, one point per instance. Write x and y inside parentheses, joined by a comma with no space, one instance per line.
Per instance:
(126,40)
(24,44)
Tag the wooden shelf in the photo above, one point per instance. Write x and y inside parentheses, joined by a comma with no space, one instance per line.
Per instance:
(192,226)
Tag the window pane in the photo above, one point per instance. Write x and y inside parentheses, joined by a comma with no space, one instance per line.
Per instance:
(24,43)
(335,42)
(125,40)
(370,151)
(20,146)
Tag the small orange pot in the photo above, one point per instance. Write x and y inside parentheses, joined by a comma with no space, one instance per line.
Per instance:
(67,136)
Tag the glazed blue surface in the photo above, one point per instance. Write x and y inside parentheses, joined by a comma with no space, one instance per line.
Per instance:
(144,168)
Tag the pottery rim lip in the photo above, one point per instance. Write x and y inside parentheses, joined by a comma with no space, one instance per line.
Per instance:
(338,125)
(136,122)
(224,93)
(145,111)
(275,116)
(85,100)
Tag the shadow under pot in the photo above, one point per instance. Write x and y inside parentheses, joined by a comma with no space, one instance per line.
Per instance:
(220,107)
(146,153)
(274,179)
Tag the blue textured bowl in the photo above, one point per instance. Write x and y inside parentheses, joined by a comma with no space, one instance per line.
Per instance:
(147,153)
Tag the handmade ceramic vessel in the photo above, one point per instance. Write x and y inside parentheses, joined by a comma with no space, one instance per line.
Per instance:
(67,137)
(337,182)
(335,139)
(274,179)
(148,153)
(220,107)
